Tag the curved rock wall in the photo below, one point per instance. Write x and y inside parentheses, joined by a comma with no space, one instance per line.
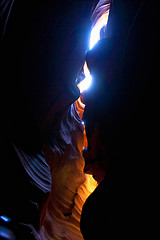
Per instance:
(70,185)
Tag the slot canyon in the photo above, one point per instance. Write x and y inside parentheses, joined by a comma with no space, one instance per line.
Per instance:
(78,119)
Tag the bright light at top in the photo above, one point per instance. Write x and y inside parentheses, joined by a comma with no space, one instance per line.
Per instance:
(95,37)
(95,33)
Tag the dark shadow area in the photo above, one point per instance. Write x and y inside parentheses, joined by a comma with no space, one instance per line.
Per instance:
(122,106)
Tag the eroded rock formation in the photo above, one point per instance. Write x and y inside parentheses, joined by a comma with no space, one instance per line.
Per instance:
(70,185)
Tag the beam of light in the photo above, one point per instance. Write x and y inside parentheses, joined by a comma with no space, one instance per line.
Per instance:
(94,38)
(85,84)
(4,218)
